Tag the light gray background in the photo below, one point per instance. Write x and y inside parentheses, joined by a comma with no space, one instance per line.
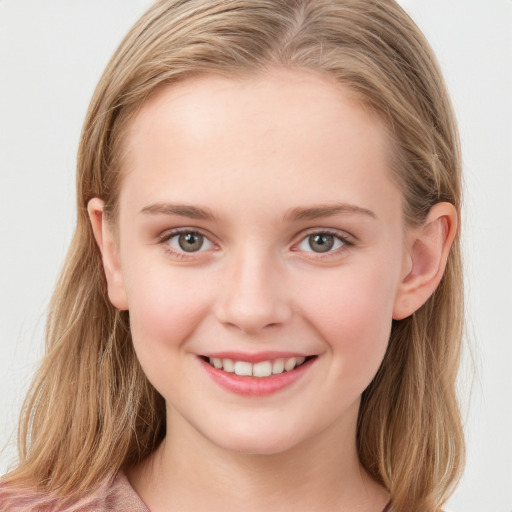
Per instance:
(51,56)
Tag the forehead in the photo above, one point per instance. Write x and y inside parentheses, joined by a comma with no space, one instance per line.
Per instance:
(286,134)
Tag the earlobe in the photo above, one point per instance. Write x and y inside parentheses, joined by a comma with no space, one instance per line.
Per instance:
(429,247)
(109,253)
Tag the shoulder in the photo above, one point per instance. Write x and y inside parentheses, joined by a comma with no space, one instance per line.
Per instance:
(120,496)
(116,495)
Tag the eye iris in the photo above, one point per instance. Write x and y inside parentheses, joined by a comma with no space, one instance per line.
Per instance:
(321,242)
(190,242)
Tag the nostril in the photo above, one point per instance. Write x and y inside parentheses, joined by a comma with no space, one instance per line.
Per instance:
(249,319)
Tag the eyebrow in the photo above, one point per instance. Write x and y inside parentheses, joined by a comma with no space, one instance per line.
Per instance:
(326,210)
(295,214)
(182,210)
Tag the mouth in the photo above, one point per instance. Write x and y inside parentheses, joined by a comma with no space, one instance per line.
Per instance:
(257,374)
(261,369)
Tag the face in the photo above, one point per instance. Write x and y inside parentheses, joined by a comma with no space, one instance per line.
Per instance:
(260,251)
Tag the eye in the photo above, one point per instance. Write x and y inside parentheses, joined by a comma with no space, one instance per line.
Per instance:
(188,241)
(322,242)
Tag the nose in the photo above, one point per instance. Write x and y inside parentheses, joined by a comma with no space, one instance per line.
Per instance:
(254,295)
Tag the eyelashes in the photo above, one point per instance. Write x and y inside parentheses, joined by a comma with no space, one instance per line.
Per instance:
(189,243)
(185,243)
(323,242)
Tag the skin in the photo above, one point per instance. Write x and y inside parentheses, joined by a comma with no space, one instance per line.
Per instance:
(252,153)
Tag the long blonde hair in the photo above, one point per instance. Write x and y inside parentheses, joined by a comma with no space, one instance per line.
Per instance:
(91,410)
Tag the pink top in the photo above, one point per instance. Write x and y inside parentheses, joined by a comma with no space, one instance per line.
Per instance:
(115,496)
(119,496)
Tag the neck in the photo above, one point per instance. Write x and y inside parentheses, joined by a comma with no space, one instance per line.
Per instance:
(188,472)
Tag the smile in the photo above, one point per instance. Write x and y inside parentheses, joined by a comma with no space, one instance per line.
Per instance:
(264,375)
(260,369)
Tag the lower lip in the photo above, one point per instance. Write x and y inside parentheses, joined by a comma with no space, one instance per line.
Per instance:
(256,386)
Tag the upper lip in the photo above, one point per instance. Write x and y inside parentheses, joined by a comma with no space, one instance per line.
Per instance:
(256,357)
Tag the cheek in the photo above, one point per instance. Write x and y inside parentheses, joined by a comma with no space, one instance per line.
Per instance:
(352,311)
(165,307)
(165,310)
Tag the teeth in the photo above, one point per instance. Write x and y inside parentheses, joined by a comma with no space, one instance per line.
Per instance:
(278,366)
(290,364)
(229,365)
(261,369)
(243,368)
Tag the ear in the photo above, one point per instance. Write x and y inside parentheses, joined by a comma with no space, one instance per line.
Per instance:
(109,252)
(429,246)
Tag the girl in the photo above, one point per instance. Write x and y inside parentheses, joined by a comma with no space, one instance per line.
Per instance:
(262,304)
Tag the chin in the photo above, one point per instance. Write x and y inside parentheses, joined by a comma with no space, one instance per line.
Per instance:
(257,445)
(257,439)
